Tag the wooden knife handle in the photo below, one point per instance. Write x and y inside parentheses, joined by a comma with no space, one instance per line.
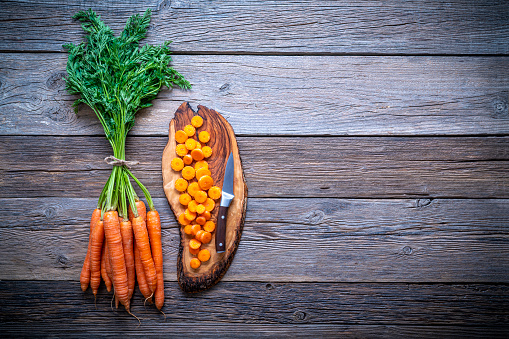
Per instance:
(221,229)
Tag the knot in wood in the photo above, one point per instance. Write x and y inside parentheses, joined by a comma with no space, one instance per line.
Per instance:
(299,315)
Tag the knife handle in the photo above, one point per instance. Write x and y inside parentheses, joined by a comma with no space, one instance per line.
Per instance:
(221,229)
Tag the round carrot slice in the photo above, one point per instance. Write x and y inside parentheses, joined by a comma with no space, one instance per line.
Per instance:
(201,164)
(193,188)
(205,237)
(189,215)
(197,154)
(209,226)
(204,255)
(206,214)
(197,121)
(181,150)
(181,184)
(207,151)
(194,243)
(180,136)
(201,220)
(183,220)
(204,136)
(185,198)
(190,144)
(188,172)
(195,263)
(201,172)
(200,197)
(195,229)
(195,252)
(198,145)
(177,164)
(188,159)
(214,192)
(199,234)
(206,182)
(209,204)
(192,205)
(187,229)
(190,130)
(200,209)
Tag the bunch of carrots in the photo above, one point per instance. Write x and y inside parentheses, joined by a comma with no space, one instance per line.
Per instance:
(116,78)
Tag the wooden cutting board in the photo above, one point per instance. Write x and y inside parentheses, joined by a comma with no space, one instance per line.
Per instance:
(222,141)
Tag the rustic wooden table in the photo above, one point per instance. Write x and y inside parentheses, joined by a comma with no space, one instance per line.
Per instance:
(375,141)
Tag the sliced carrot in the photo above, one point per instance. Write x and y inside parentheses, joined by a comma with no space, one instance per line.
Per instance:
(181,184)
(214,192)
(190,130)
(204,255)
(180,136)
(198,145)
(195,263)
(188,172)
(185,198)
(209,205)
(204,136)
(206,214)
(197,154)
(198,235)
(200,197)
(194,243)
(201,164)
(201,220)
(181,150)
(209,226)
(193,188)
(183,220)
(207,151)
(206,182)
(197,121)
(192,205)
(202,172)
(200,208)
(177,164)
(187,229)
(189,215)
(195,229)
(194,251)
(191,145)
(188,160)
(206,237)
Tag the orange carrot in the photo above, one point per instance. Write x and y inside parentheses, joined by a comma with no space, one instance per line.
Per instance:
(143,244)
(140,275)
(154,232)
(104,274)
(126,231)
(116,252)
(85,271)
(96,246)
(142,210)
(195,263)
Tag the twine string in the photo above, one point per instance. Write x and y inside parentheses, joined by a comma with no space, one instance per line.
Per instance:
(113,161)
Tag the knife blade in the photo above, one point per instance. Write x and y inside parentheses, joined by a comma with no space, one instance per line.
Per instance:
(226,198)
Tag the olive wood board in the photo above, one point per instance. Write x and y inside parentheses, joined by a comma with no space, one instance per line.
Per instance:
(222,141)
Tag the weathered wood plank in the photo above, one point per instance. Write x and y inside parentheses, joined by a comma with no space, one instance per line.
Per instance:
(341,167)
(296,219)
(273,95)
(336,257)
(414,27)
(261,303)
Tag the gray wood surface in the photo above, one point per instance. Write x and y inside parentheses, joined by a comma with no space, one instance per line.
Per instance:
(410,27)
(289,95)
(275,167)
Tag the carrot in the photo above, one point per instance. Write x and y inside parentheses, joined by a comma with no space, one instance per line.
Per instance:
(215,192)
(197,121)
(143,244)
(195,228)
(201,172)
(194,243)
(204,255)
(181,184)
(126,230)
(185,198)
(209,226)
(190,145)
(189,215)
(204,136)
(142,210)
(104,273)
(200,196)
(206,182)
(200,209)
(107,262)
(193,188)
(188,159)
(190,130)
(183,220)
(188,172)
(154,232)
(201,164)
(207,151)
(194,251)
(209,205)
(96,246)
(195,263)
(197,154)
(116,253)
(140,275)
(177,164)
(180,136)
(181,150)
(188,229)
(85,271)
(201,220)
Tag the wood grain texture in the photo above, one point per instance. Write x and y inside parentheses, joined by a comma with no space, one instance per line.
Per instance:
(262,303)
(412,27)
(283,95)
(222,142)
(341,167)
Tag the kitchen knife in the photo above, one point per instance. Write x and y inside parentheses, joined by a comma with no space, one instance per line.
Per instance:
(226,198)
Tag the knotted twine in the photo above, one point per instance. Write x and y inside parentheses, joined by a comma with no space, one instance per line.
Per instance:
(111,160)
